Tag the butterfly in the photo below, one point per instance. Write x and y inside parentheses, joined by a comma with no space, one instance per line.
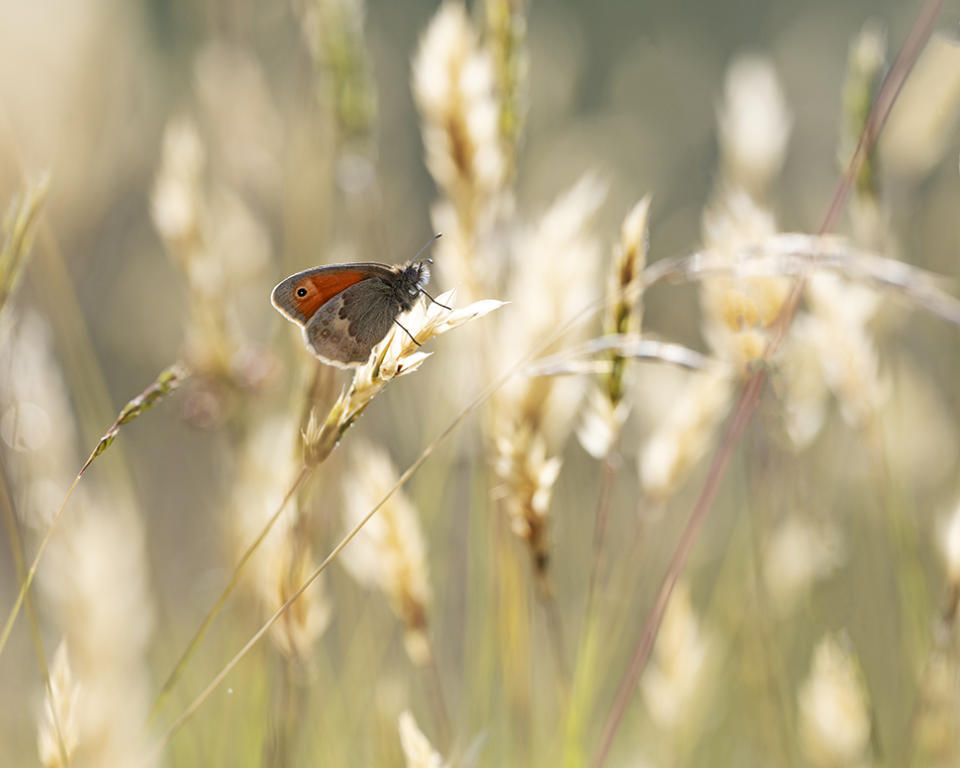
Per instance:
(345,310)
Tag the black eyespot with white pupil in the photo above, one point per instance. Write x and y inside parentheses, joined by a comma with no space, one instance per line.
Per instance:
(301,292)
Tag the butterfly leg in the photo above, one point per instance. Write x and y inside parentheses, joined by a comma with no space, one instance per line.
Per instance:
(412,338)
(434,300)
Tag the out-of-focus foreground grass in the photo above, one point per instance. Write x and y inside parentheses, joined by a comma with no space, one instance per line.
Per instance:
(627,176)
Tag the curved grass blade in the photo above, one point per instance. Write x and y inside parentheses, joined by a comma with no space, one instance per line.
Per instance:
(163,385)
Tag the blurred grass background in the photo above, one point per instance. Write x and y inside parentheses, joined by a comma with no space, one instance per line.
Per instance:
(628,90)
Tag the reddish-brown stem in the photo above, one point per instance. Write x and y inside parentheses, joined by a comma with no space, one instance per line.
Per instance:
(750,395)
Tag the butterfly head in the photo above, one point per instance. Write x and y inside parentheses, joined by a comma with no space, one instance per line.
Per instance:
(411,280)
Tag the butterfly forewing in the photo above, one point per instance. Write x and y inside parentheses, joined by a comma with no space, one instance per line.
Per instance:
(302,294)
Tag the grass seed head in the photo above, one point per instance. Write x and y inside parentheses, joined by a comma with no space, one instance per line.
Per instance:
(59,723)
(389,553)
(833,708)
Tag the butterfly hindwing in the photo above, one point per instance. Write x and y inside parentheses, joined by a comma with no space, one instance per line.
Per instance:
(344,330)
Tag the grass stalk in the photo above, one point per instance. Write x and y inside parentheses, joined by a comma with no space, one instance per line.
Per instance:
(16,549)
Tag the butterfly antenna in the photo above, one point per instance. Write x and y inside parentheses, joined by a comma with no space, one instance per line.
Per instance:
(427,244)
(433,299)
(412,337)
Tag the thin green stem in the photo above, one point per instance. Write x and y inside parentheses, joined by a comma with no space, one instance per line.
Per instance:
(188,652)
(16,547)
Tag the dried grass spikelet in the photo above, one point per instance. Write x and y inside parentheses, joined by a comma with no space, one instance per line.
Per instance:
(739,312)
(833,708)
(927,455)
(36,421)
(454,88)
(799,553)
(389,553)
(397,355)
(177,202)
(19,225)
(527,476)
(949,541)
(673,682)
(606,409)
(865,67)
(848,355)
(753,124)
(803,385)
(221,248)
(288,562)
(922,122)
(333,30)
(505,37)
(285,557)
(551,280)
(685,432)
(417,749)
(935,729)
(59,722)
(96,583)
(236,107)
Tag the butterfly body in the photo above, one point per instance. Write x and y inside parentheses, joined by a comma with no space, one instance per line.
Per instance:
(345,310)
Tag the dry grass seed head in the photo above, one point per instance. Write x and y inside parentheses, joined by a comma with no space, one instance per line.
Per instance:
(673,682)
(552,278)
(19,225)
(417,749)
(95,581)
(739,312)
(222,248)
(453,83)
(923,121)
(799,553)
(289,562)
(753,124)
(506,31)
(235,104)
(333,30)
(800,379)
(285,559)
(389,553)
(395,356)
(59,722)
(950,546)
(686,432)
(833,707)
(606,411)
(939,712)
(454,86)
(36,419)
(848,354)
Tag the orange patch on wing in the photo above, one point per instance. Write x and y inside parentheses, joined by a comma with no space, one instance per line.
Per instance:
(321,288)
